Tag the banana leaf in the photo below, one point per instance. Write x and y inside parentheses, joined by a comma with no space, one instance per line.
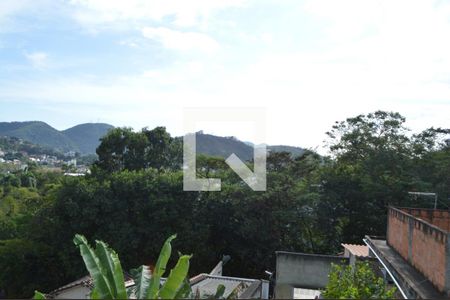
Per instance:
(94,268)
(176,277)
(141,277)
(185,291)
(160,268)
(38,295)
(110,263)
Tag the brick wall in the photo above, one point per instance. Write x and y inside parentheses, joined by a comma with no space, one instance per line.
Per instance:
(422,244)
(439,218)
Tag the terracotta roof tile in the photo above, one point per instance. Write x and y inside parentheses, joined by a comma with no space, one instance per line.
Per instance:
(357,250)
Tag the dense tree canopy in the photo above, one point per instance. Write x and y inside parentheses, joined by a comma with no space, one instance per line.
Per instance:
(124,149)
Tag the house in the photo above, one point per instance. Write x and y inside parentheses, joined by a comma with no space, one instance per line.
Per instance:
(204,285)
(303,276)
(416,251)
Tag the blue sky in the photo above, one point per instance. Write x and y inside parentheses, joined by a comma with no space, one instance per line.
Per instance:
(308,62)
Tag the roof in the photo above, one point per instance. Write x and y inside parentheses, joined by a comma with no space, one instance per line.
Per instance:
(357,250)
(206,284)
(85,281)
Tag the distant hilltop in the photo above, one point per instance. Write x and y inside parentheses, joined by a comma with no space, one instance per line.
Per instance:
(85,138)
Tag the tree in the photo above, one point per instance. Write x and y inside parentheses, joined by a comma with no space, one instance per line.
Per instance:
(24,267)
(162,151)
(372,168)
(124,149)
(121,148)
(356,282)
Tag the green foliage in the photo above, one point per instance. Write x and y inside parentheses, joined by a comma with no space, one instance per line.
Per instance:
(141,277)
(160,268)
(356,282)
(124,149)
(13,147)
(376,163)
(38,295)
(104,267)
(38,133)
(21,266)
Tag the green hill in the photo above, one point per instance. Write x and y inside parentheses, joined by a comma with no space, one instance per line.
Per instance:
(295,151)
(82,138)
(39,133)
(87,136)
(225,146)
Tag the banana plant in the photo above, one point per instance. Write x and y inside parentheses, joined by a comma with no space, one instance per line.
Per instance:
(147,285)
(104,267)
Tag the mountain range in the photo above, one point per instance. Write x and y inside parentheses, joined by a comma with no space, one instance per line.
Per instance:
(85,138)
(224,146)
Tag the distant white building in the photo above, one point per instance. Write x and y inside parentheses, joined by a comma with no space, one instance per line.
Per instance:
(70,154)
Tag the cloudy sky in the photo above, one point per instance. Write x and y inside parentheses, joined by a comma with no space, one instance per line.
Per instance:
(307,62)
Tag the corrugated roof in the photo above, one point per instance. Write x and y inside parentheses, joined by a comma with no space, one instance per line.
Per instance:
(357,250)
(206,284)
(88,282)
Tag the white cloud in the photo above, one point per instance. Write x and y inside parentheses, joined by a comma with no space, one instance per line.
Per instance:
(8,9)
(179,40)
(391,55)
(119,13)
(38,60)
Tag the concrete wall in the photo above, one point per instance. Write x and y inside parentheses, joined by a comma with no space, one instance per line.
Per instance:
(422,244)
(298,270)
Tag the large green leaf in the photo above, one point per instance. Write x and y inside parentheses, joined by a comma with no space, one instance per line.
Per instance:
(160,268)
(94,268)
(94,294)
(110,263)
(185,291)
(176,277)
(141,277)
(38,295)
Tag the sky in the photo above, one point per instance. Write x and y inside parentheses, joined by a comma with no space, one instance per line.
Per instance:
(307,63)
